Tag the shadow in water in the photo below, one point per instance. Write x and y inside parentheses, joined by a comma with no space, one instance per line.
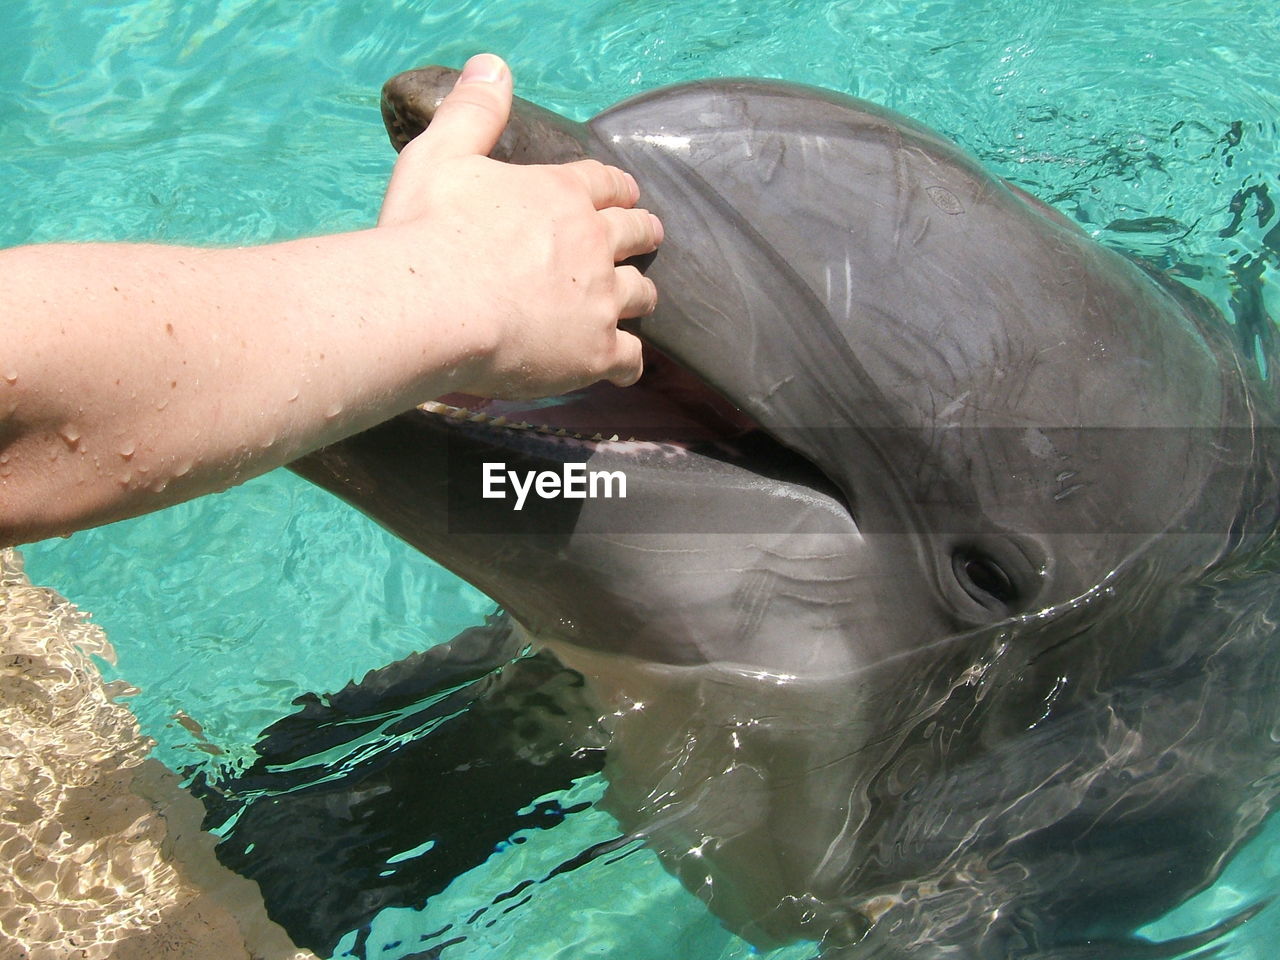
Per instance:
(381,794)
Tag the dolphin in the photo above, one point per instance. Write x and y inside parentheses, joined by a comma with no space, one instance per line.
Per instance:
(937,617)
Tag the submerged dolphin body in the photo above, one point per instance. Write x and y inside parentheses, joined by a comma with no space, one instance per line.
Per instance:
(937,615)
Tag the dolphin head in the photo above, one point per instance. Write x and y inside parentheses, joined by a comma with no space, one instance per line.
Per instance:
(891,343)
(896,415)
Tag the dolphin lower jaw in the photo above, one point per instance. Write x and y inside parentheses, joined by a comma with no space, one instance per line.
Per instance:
(708,559)
(679,571)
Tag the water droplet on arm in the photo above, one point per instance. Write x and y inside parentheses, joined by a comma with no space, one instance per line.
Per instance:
(10,376)
(126,449)
(70,434)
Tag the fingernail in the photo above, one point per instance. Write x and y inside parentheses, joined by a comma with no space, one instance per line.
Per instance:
(659,233)
(483,68)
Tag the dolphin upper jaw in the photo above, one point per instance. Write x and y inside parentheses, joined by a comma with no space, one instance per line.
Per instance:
(533,135)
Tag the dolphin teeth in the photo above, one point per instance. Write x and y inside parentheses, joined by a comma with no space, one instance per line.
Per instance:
(597,437)
(614,438)
(478,418)
(499,422)
(433,406)
(562,432)
(458,413)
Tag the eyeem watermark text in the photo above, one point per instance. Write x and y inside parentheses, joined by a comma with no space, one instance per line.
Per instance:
(573,482)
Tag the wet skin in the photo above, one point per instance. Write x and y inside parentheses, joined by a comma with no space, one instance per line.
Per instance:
(935,592)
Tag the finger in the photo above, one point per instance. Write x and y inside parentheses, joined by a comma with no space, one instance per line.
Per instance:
(473,115)
(637,295)
(608,186)
(630,364)
(632,232)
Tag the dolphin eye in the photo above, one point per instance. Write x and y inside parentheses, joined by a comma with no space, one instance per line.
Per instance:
(984,579)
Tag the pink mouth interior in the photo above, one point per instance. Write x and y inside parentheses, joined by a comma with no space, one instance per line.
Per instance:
(668,405)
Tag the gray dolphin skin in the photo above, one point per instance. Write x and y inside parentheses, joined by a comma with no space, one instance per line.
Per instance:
(938,617)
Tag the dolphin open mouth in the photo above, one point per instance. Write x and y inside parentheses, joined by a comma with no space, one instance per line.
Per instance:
(669,406)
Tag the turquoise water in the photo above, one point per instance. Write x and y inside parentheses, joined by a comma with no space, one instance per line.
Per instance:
(1154,125)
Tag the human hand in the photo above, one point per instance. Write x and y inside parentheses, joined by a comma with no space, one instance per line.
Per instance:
(149,374)
(530,253)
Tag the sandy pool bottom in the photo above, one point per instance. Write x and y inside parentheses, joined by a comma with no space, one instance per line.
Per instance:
(101,852)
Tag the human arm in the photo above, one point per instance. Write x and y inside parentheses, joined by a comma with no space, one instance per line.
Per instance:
(136,376)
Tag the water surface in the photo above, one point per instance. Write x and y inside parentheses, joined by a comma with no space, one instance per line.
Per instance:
(1155,126)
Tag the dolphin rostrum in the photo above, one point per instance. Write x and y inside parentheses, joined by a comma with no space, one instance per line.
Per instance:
(937,617)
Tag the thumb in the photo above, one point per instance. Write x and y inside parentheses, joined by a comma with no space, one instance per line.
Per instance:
(472,117)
